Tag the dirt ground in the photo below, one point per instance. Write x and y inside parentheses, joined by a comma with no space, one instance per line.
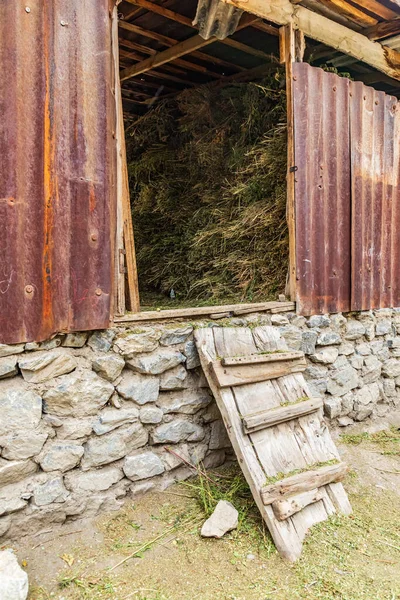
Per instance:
(346,558)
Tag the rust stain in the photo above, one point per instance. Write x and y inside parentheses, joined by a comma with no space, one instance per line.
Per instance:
(92,198)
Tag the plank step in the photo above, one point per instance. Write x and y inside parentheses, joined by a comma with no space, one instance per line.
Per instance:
(240,374)
(303,482)
(281,414)
(283,509)
(262,357)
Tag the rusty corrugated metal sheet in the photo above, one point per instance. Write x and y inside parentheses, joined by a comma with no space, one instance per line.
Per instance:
(322,188)
(215,18)
(375,157)
(56,168)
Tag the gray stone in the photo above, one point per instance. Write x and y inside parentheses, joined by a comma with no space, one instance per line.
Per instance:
(75,340)
(46,345)
(338,321)
(174,379)
(376,347)
(280,320)
(108,366)
(308,341)
(136,342)
(357,362)
(225,518)
(192,356)
(363,349)
(151,415)
(389,388)
(60,456)
(19,408)
(185,401)
(319,321)
(52,421)
(177,431)
(354,330)
(341,362)
(212,413)
(143,466)
(139,388)
(75,429)
(111,418)
(78,395)
(13,471)
(93,481)
(315,372)
(391,368)
(218,438)
(317,387)
(371,370)
(20,445)
(383,327)
(347,403)
(363,413)
(332,407)
(10,501)
(369,394)
(5,524)
(325,356)
(51,491)
(115,400)
(8,366)
(177,335)
(342,381)
(328,338)
(157,362)
(292,336)
(43,366)
(9,350)
(101,341)
(345,421)
(13,580)
(113,446)
(346,349)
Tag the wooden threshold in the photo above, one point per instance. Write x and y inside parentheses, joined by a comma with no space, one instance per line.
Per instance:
(281,414)
(204,311)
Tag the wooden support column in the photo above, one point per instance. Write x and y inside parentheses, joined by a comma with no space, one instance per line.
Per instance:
(292,46)
(125,246)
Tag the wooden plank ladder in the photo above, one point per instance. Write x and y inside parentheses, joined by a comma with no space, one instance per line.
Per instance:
(277,431)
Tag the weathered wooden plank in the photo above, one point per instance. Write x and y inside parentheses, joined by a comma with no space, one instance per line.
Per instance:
(253,373)
(283,509)
(251,359)
(269,418)
(303,482)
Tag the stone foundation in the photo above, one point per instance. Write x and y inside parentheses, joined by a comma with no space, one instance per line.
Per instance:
(87,419)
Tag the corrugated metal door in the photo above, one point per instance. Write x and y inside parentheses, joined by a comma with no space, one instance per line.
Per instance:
(57,167)
(347,194)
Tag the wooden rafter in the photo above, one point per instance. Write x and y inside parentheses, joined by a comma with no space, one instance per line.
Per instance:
(164,12)
(383,29)
(324,30)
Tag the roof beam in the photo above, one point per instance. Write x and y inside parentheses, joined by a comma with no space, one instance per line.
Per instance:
(383,29)
(326,31)
(164,12)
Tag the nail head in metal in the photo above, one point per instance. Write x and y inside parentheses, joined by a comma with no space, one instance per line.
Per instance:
(98,292)
(27,9)
(94,237)
(29,289)
(64,23)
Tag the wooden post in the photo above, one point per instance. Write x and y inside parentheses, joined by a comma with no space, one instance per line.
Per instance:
(125,246)
(292,48)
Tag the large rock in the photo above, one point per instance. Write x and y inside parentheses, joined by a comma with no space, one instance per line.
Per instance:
(184,401)
(292,336)
(156,362)
(174,379)
(328,338)
(46,345)
(143,466)
(342,381)
(19,408)
(113,446)
(371,371)
(308,341)
(13,471)
(178,431)
(9,350)
(151,414)
(22,444)
(318,321)
(101,341)
(111,418)
(13,580)
(383,327)
(136,342)
(108,366)
(354,330)
(224,518)
(43,366)
(368,394)
(60,456)
(75,429)
(78,395)
(325,356)
(93,481)
(176,335)
(8,366)
(51,491)
(332,407)
(139,388)
(13,498)
(192,356)
(218,437)
(75,340)
(391,368)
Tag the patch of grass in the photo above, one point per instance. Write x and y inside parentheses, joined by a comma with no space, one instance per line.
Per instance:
(388,440)
(279,476)
(88,588)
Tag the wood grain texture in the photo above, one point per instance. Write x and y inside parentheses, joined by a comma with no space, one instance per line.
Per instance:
(283,509)
(269,418)
(253,373)
(252,359)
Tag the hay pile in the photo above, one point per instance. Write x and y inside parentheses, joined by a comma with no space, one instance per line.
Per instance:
(208,191)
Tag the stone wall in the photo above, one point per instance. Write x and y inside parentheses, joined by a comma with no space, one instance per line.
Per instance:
(88,419)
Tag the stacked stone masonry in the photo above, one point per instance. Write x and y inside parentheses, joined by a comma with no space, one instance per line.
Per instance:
(87,419)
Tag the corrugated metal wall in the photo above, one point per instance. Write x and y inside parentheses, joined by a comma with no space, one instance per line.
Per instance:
(57,167)
(347,149)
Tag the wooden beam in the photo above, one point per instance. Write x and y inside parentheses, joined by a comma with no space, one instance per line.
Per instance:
(245,48)
(383,30)
(283,509)
(377,8)
(243,374)
(281,414)
(326,31)
(180,62)
(164,12)
(351,12)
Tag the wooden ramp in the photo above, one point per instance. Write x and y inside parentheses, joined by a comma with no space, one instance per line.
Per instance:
(277,431)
